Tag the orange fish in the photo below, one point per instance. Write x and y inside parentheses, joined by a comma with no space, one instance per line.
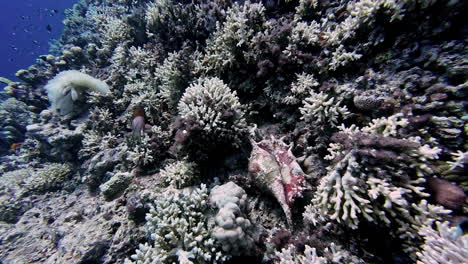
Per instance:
(15,146)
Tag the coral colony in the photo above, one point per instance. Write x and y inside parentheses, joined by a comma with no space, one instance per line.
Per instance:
(198,132)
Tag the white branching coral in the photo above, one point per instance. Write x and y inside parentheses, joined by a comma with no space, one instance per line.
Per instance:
(289,255)
(340,195)
(323,109)
(179,231)
(386,126)
(301,88)
(108,21)
(169,19)
(171,78)
(233,36)
(135,63)
(114,31)
(341,57)
(305,33)
(444,244)
(374,178)
(361,13)
(304,7)
(157,12)
(332,254)
(215,110)
(460,158)
(141,154)
(179,174)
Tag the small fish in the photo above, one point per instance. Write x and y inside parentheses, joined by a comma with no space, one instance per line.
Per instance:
(138,123)
(15,146)
(447,194)
(49,28)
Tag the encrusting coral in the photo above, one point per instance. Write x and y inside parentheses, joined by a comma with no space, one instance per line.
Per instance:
(232,225)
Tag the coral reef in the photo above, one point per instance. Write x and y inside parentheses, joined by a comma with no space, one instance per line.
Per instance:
(18,185)
(443,244)
(115,185)
(332,254)
(212,115)
(232,226)
(14,116)
(179,231)
(179,174)
(355,111)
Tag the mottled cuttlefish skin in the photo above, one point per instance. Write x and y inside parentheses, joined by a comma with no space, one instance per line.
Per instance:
(274,168)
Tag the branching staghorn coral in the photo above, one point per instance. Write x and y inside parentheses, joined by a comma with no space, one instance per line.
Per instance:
(233,37)
(332,254)
(171,22)
(361,13)
(109,21)
(135,63)
(376,177)
(301,88)
(173,77)
(215,114)
(443,244)
(179,174)
(340,57)
(288,255)
(141,154)
(179,231)
(321,109)
(460,159)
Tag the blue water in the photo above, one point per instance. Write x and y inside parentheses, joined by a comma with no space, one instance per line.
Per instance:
(25,33)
